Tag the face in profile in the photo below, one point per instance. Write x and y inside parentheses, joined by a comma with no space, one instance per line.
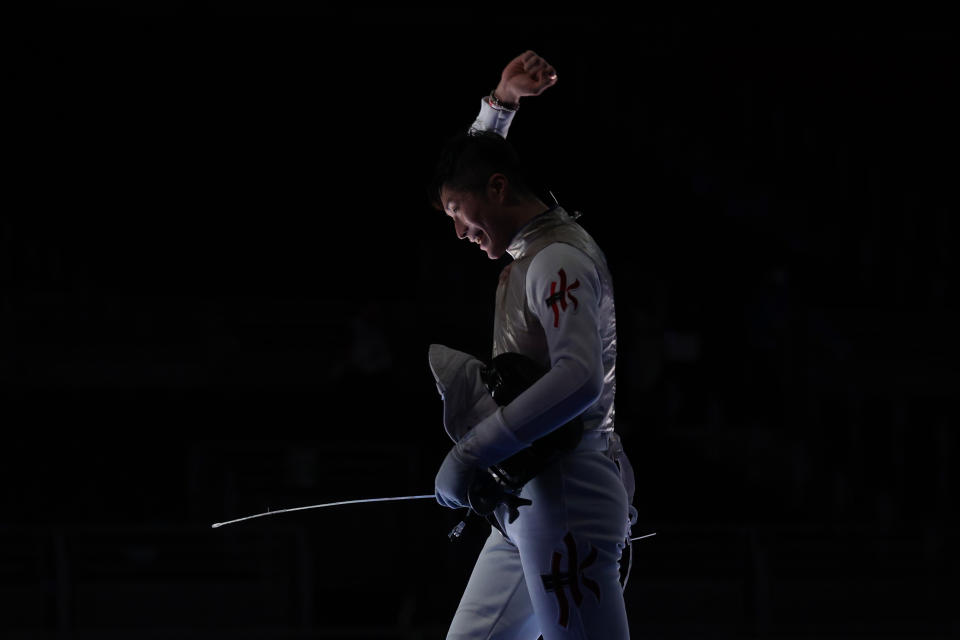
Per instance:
(479,217)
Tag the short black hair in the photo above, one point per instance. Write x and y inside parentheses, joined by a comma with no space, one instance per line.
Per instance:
(468,159)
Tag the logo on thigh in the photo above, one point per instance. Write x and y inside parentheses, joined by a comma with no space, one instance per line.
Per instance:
(556,582)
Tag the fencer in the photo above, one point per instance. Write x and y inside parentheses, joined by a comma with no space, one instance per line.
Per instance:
(554,568)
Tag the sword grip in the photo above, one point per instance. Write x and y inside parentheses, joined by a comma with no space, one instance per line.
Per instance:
(486,494)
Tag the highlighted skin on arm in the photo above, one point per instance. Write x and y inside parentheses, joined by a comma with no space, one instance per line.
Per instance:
(528,74)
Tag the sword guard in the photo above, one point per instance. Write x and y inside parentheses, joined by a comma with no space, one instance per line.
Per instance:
(486,494)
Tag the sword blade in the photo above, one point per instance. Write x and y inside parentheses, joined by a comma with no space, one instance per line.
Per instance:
(217,525)
(642,537)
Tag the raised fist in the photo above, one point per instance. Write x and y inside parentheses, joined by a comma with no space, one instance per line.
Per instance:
(526,75)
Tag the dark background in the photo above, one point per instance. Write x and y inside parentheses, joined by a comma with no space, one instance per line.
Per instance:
(220,277)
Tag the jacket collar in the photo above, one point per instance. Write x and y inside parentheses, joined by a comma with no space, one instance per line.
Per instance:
(523,241)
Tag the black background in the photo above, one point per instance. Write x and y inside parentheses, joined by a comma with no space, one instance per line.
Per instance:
(221,275)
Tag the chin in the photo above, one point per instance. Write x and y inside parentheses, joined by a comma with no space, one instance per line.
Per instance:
(492,250)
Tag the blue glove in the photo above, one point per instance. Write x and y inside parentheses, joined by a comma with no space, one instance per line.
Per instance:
(454,479)
(488,443)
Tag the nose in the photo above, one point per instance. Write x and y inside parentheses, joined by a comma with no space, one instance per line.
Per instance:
(460,229)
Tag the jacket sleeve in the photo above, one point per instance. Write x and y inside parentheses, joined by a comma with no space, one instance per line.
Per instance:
(563,291)
(491,119)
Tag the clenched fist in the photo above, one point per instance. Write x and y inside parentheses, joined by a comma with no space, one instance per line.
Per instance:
(526,75)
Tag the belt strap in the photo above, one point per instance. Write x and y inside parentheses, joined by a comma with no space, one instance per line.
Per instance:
(594,441)
(609,443)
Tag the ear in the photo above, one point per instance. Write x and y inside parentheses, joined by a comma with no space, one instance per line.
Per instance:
(497,187)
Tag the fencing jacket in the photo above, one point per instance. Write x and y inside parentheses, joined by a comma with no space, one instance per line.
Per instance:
(554,304)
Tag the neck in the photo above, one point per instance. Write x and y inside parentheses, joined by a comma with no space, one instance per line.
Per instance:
(525,211)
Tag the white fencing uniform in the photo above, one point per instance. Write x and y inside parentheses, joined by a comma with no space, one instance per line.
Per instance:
(555,570)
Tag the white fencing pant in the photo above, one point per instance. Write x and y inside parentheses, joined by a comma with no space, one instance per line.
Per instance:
(556,572)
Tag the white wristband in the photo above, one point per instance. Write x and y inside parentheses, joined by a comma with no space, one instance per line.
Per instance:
(491,119)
